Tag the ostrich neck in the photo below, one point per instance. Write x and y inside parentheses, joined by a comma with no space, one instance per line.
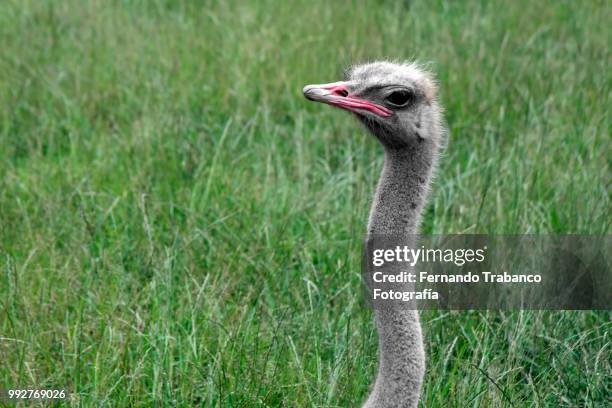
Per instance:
(396,210)
(402,189)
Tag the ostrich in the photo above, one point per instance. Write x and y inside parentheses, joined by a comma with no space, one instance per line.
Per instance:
(397,104)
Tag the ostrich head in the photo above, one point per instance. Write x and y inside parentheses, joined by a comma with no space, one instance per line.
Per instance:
(396,102)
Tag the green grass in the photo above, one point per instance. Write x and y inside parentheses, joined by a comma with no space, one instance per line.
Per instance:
(178,225)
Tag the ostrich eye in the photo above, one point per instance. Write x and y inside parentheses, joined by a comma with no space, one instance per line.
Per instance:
(399,98)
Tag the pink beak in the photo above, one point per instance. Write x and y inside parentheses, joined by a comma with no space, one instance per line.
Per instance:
(337,94)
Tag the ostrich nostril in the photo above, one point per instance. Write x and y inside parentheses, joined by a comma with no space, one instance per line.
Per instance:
(341,92)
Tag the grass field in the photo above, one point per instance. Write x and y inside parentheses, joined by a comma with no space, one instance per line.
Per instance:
(179,226)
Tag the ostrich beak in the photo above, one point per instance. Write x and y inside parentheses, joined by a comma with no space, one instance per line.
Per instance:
(337,94)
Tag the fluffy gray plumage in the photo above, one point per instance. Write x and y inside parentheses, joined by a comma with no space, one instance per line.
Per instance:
(411,137)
